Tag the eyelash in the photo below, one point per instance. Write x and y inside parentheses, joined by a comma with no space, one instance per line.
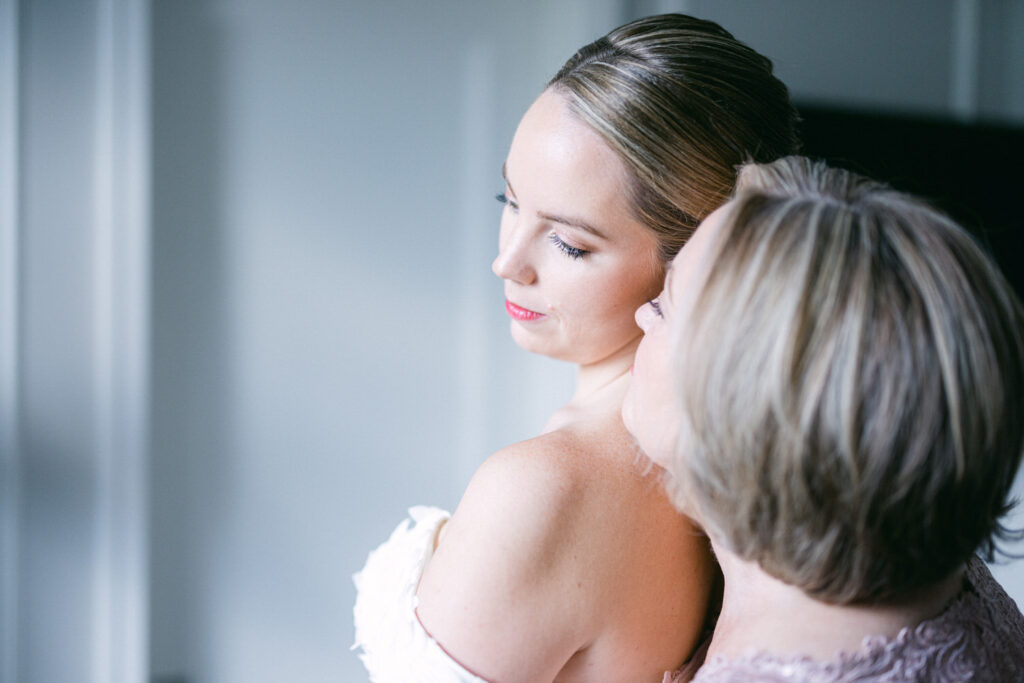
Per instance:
(567,249)
(503,198)
(656,305)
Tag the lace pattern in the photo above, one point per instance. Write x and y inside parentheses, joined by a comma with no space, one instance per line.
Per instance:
(978,638)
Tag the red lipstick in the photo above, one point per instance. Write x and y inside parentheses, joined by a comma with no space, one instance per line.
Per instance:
(520,313)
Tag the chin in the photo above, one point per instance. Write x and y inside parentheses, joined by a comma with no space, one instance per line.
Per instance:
(627,413)
(650,449)
(527,341)
(543,346)
(656,458)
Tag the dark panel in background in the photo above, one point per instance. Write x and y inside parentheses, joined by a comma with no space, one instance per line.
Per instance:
(973,172)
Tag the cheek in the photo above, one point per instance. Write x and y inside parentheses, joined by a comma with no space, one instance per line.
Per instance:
(599,299)
(641,284)
(617,296)
(654,406)
(659,442)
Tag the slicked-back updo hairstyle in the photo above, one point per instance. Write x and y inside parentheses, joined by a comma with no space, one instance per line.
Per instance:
(683,104)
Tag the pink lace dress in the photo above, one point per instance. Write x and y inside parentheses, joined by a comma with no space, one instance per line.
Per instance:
(978,638)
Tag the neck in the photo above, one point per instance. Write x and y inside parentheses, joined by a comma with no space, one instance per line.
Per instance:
(594,379)
(600,389)
(753,602)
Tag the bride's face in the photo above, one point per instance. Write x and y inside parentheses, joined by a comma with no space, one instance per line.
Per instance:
(575,262)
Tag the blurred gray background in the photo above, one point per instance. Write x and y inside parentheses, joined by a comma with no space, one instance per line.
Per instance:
(246,311)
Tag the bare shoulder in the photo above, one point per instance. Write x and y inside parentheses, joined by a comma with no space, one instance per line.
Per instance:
(544,474)
(532,494)
(563,545)
(506,565)
(514,513)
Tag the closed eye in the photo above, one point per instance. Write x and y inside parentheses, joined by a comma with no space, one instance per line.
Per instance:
(567,249)
(656,305)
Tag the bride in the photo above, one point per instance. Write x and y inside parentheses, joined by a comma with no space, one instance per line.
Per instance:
(564,559)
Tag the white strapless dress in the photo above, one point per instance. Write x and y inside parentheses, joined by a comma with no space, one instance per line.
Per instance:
(395,646)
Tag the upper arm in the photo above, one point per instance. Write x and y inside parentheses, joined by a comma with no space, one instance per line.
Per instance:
(501,594)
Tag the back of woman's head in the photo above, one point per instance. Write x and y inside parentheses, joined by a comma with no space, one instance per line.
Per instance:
(853,385)
(683,104)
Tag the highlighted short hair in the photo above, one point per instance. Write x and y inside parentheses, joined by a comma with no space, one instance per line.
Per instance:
(852,383)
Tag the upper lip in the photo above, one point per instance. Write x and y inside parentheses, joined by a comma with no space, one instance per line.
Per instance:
(518,305)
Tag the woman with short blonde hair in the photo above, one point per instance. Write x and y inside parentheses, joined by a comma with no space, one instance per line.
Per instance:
(846,380)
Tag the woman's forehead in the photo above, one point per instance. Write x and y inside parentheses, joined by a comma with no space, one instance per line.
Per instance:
(692,258)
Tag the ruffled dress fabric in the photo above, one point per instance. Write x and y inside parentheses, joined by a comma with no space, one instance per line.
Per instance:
(979,637)
(395,648)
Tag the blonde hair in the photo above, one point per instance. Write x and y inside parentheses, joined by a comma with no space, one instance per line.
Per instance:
(852,380)
(683,104)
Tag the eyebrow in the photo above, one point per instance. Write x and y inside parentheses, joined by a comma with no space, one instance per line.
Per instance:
(572,222)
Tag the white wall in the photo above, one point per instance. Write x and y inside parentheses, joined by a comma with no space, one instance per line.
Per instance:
(327,343)
(73,322)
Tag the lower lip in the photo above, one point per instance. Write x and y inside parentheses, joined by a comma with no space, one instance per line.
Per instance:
(522,314)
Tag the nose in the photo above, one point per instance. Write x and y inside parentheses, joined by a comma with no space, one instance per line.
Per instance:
(643,316)
(513,261)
